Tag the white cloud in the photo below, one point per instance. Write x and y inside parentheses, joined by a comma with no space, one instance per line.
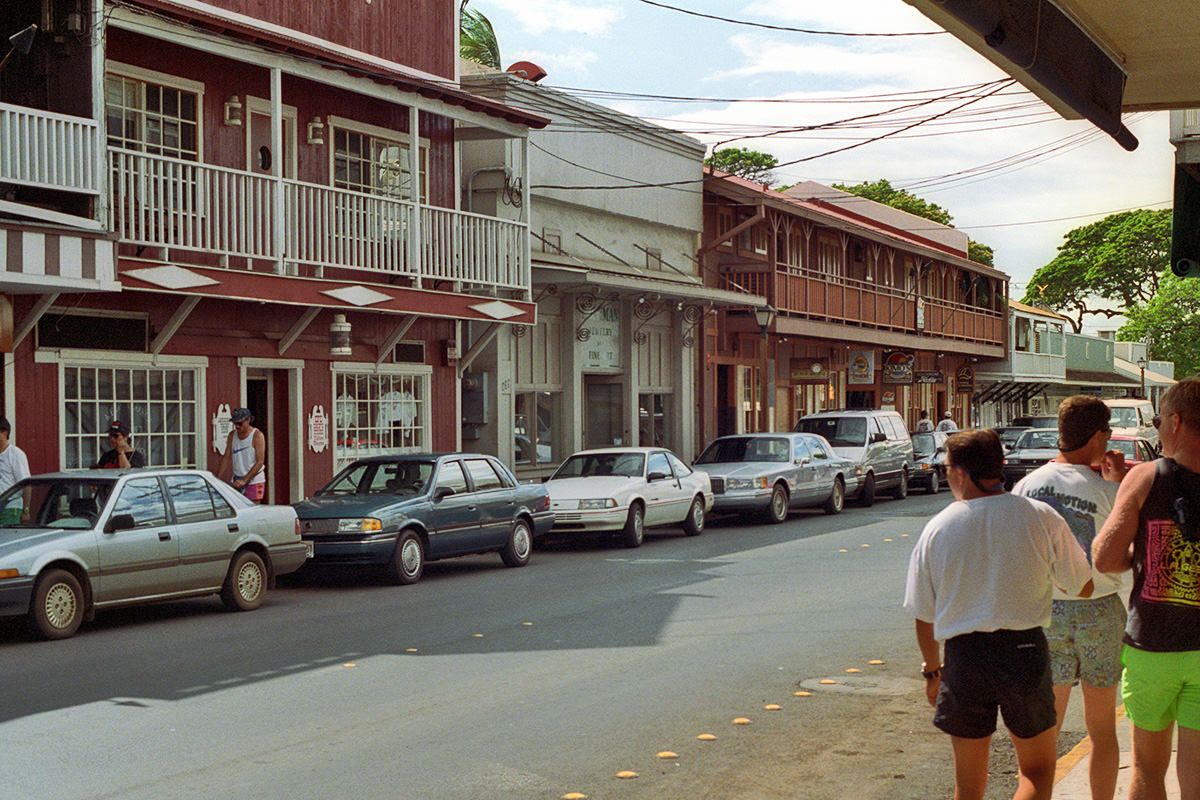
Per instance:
(561,15)
(853,16)
(557,63)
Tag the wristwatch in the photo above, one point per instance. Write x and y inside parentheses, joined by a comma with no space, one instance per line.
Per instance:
(930,673)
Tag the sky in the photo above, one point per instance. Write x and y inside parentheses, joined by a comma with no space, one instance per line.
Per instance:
(1014,175)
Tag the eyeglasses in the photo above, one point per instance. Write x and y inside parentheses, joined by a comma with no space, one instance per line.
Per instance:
(1156,421)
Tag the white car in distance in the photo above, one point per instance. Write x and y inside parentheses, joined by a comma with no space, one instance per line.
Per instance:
(626,490)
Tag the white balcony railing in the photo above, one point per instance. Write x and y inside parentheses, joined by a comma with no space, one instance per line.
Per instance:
(48,150)
(169,203)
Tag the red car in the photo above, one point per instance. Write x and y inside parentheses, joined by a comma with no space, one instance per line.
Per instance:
(1135,448)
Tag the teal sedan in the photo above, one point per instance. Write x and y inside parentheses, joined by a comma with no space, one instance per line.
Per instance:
(401,511)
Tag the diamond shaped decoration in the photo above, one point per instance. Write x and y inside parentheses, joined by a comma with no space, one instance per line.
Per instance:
(171,277)
(357,295)
(497,309)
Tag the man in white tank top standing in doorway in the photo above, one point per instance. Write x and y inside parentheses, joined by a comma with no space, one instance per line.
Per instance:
(247,451)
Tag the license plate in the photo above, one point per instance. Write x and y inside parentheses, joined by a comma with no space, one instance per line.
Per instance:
(308,549)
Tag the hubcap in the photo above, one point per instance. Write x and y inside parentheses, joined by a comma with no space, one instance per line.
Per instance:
(250,581)
(639,523)
(521,541)
(410,556)
(839,495)
(779,504)
(61,605)
(697,514)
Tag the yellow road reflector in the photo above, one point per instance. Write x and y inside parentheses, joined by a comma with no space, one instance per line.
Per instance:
(843,550)
(574,796)
(349,664)
(741,721)
(827,682)
(476,635)
(853,670)
(410,649)
(668,754)
(706,737)
(772,707)
(526,623)
(802,694)
(888,540)
(627,773)
(866,545)
(904,536)
(875,662)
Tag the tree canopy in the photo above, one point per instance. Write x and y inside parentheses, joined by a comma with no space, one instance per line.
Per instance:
(1120,259)
(477,39)
(752,165)
(1169,322)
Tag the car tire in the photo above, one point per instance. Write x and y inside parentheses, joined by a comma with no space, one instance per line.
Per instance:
(634,532)
(520,545)
(693,523)
(935,483)
(245,583)
(837,497)
(901,490)
(408,559)
(866,495)
(777,509)
(57,608)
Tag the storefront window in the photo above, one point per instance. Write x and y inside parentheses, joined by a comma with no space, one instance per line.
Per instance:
(159,405)
(379,414)
(536,423)
(654,421)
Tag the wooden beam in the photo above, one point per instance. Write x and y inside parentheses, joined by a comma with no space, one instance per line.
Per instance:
(760,216)
(489,333)
(293,333)
(395,336)
(31,319)
(173,324)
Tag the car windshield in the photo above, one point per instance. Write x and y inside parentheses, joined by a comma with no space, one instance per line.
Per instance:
(1038,440)
(1008,436)
(838,431)
(1126,446)
(1123,418)
(745,448)
(924,444)
(402,477)
(54,503)
(590,465)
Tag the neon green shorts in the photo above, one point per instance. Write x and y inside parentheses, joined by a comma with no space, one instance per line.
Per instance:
(1161,688)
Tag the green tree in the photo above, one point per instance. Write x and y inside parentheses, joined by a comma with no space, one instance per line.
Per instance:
(1120,259)
(882,191)
(749,164)
(477,39)
(1169,321)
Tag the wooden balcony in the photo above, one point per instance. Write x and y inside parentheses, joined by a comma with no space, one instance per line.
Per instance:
(238,220)
(48,150)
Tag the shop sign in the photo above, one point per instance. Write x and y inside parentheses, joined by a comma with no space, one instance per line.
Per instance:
(920,313)
(318,429)
(934,376)
(860,369)
(964,379)
(889,398)
(222,426)
(897,367)
(600,339)
(803,370)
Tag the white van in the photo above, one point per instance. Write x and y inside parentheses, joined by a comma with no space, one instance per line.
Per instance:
(1134,417)
(876,441)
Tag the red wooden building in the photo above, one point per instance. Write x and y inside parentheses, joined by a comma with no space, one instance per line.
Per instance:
(210,205)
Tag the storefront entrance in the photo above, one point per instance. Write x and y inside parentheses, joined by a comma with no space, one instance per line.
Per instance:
(604,409)
(271,390)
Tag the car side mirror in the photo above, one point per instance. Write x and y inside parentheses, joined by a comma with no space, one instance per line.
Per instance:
(804,461)
(878,437)
(442,492)
(119,522)
(656,476)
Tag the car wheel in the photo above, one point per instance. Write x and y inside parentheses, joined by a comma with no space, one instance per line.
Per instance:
(408,560)
(901,490)
(693,523)
(837,497)
(245,583)
(935,483)
(777,509)
(866,495)
(634,531)
(520,545)
(56,611)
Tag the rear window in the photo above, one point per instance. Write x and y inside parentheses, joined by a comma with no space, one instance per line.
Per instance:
(838,431)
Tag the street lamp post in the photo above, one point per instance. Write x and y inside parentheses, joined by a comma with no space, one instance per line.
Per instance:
(1142,364)
(764,316)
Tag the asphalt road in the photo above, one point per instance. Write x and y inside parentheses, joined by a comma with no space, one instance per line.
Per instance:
(487,682)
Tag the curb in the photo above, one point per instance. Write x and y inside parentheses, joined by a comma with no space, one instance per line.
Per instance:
(1077,753)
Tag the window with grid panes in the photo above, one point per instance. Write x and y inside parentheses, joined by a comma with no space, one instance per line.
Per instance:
(158,404)
(369,164)
(379,414)
(151,118)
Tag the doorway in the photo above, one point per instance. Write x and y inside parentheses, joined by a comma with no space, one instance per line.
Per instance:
(259,156)
(272,393)
(604,409)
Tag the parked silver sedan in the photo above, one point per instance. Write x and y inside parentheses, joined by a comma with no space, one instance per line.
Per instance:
(768,474)
(72,543)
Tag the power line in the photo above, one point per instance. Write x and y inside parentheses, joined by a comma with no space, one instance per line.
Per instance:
(780,27)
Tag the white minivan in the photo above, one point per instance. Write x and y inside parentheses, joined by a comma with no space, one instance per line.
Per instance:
(1133,416)
(876,441)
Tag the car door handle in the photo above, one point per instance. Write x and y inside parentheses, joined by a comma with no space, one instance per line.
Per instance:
(233,527)
(164,536)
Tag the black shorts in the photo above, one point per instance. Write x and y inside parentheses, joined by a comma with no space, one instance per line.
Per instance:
(1005,669)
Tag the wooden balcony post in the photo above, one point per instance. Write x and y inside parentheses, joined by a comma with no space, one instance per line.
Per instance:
(416,248)
(277,197)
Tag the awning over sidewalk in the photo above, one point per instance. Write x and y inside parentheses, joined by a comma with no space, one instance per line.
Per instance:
(1088,377)
(602,281)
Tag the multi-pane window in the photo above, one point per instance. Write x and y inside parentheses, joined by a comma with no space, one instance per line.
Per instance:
(152,118)
(369,164)
(654,422)
(536,417)
(378,414)
(159,405)
(829,256)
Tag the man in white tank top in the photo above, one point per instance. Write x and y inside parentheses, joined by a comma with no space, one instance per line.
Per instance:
(246,452)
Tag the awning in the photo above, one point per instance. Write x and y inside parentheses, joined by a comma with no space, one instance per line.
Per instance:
(38,259)
(1133,371)
(1010,391)
(1087,377)
(606,281)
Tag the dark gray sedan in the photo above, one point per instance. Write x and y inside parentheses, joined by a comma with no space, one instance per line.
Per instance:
(1034,448)
(768,474)
(73,543)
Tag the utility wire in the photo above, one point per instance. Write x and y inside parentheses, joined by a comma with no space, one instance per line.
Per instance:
(780,27)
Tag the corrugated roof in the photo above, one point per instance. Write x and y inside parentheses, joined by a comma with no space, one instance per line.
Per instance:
(1088,377)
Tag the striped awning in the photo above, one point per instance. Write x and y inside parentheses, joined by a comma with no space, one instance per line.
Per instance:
(36,259)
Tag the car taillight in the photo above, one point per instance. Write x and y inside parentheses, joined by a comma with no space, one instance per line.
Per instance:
(297,528)
(545,503)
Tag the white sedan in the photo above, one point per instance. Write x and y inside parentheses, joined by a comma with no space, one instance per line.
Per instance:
(628,489)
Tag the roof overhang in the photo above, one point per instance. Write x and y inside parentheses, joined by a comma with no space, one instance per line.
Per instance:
(1091,59)
(603,281)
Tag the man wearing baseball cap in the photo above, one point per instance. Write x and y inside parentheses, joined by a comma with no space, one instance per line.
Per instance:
(121,455)
(246,453)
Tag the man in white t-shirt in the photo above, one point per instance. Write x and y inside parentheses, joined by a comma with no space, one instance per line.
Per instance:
(14,466)
(980,579)
(924,424)
(1085,635)
(947,423)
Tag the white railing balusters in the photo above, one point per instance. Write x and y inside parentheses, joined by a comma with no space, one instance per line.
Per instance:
(48,150)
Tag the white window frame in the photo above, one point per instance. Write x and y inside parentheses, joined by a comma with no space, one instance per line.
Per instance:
(124,359)
(131,72)
(423,372)
(387,134)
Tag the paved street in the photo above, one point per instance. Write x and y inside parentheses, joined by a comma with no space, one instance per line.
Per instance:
(487,682)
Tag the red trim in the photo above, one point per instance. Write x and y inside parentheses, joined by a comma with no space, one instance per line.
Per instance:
(287,290)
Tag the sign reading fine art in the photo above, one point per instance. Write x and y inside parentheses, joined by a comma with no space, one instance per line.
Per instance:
(964,379)
(860,367)
(897,367)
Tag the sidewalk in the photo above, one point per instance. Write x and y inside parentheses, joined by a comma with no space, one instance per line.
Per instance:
(1071,778)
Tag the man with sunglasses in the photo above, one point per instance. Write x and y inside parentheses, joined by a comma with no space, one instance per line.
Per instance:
(980,579)
(1085,634)
(121,455)
(1155,530)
